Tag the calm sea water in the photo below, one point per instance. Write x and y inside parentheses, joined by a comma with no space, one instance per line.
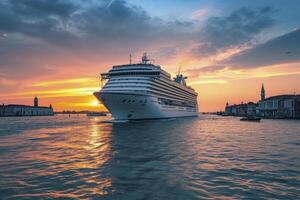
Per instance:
(209,157)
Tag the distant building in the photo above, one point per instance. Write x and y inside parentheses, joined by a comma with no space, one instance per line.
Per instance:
(25,110)
(243,109)
(262,93)
(252,109)
(36,102)
(281,106)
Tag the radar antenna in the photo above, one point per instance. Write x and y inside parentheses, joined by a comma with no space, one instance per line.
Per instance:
(179,69)
(145,59)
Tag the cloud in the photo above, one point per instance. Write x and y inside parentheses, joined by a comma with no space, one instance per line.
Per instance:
(63,8)
(64,82)
(210,81)
(200,13)
(237,29)
(42,37)
(109,3)
(205,70)
(122,24)
(84,91)
(41,19)
(279,50)
(66,23)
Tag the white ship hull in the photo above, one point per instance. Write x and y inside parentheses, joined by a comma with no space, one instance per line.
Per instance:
(139,106)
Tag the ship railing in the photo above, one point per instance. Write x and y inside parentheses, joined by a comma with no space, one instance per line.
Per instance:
(104,76)
(135,65)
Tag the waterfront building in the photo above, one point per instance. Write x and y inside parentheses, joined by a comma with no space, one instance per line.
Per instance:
(243,109)
(280,106)
(252,109)
(25,110)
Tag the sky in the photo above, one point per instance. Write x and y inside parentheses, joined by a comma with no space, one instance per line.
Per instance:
(57,49)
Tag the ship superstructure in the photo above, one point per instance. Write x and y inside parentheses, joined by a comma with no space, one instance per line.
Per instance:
(146,91)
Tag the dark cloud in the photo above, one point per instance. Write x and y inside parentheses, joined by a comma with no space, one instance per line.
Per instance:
(280,50)
(122,24)
(41,19)
(62,8)
(118,21)
(67,24)
(234,30)
(283,49)
(86,30)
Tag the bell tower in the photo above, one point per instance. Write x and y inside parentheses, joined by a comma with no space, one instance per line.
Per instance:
(36,102)
(262,93)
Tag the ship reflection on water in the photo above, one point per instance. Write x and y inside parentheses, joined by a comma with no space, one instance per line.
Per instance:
(207,157)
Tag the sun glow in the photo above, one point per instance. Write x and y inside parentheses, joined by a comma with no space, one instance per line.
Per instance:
(94,103)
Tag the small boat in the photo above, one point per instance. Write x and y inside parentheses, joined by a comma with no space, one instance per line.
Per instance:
(251,119)
(95,114)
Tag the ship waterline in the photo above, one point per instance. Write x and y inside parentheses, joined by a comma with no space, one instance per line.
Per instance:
(146,91)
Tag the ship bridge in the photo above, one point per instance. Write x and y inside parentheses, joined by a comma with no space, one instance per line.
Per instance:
(144,68)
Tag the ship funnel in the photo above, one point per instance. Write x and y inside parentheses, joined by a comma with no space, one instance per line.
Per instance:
(180,79)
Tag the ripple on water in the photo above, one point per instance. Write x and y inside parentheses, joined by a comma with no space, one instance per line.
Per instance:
(209,157)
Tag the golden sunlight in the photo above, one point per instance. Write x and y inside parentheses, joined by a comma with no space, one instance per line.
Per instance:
(94,103)
(61,82)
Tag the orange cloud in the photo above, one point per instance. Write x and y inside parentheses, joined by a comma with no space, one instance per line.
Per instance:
(61,82)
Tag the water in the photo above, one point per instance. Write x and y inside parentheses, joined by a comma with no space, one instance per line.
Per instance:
(210,157)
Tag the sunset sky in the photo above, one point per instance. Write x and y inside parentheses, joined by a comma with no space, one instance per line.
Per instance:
(56,49)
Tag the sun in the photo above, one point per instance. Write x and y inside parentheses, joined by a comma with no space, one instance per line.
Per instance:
(94,103)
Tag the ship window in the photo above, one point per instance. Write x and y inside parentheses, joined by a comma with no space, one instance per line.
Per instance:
(133,101)
(128,101)
(124,100)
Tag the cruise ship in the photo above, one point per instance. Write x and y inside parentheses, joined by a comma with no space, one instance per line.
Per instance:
(146,91)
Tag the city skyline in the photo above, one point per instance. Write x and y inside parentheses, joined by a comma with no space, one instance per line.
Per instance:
(56,49)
